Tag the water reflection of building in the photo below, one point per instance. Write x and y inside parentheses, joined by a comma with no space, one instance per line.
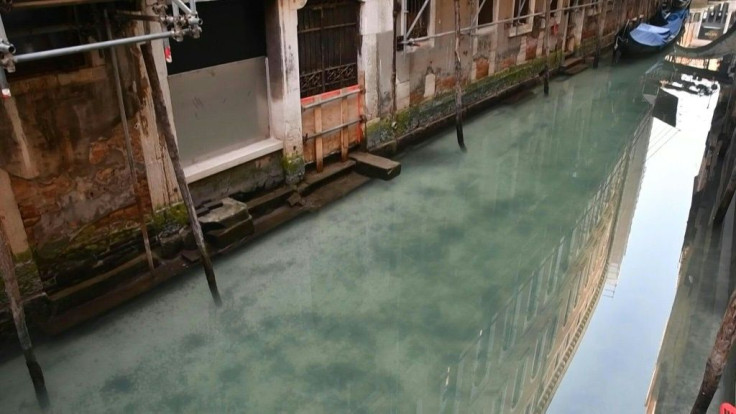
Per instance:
(516,363)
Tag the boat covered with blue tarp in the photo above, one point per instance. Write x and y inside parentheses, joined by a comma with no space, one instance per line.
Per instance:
(644,38)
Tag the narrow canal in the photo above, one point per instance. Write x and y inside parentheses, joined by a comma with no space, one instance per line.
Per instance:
(466,285)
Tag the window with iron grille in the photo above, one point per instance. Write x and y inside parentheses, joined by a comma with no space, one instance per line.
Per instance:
(328,45)
(417,11)
(485,11)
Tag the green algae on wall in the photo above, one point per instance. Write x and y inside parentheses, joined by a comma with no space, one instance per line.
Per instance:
(26,272)
(293,165)
(70,260)
(442,106)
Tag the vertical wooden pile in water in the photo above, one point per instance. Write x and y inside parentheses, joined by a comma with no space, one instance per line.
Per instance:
(165,130)
(458,82)
(7,268)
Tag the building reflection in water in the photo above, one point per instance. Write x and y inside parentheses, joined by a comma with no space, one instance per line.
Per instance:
(516,362)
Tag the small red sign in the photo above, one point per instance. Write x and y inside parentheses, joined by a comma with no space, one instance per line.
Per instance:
(727,408)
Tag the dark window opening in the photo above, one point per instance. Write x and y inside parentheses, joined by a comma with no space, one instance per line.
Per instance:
(46,29)
(233,30)
(421,29)
(485,13)
(521,11)
(328,45)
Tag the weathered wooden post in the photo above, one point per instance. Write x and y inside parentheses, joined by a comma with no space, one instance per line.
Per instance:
(717,359)
(547,28)
(162,119)
(458,82)
(603,4)
(7,268)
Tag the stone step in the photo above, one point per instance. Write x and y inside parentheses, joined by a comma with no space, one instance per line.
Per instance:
(313,180)
(99,285)
(576,69)
(227,224)
(228,213)
(262,205)
(572,61)
(375,167)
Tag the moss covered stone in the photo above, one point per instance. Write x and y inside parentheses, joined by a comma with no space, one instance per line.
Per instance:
(293,166)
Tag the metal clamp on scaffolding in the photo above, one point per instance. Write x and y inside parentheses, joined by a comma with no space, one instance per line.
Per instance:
(184,21)
(6,61)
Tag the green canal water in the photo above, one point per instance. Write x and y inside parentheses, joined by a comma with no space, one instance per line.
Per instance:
(466,285)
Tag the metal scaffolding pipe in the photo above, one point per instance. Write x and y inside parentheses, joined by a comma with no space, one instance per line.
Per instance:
(46,54)
(6,47)
(3,35)
(4,85)
(129,150)
(182,6)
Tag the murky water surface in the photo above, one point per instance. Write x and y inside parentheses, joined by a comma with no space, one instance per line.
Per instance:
(465,285)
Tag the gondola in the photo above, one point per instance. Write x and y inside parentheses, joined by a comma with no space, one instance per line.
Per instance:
(639,38)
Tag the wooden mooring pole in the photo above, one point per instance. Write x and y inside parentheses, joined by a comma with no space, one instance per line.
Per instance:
(717,359)
(603,4)
(458,81)
(7,268)
(165,130)
(547,28)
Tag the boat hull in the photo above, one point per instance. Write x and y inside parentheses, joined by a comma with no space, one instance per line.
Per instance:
(626,45)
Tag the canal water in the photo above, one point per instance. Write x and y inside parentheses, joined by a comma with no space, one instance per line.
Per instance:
(466,285)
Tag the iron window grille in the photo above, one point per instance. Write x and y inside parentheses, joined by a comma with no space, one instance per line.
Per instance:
(328,45)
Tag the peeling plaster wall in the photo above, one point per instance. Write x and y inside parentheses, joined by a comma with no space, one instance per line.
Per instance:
(64,151)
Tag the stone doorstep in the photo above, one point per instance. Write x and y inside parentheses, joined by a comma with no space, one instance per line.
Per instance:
(375,167)
(230,212)
(314,180)
(222,238)
(270,201)
(91,288)
(576,69)
(572,61)
(341,187)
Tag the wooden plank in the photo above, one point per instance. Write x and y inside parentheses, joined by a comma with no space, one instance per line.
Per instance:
(344,136)
(318,153)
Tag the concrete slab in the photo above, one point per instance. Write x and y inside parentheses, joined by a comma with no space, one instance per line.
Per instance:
(229,213)
(376,167)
